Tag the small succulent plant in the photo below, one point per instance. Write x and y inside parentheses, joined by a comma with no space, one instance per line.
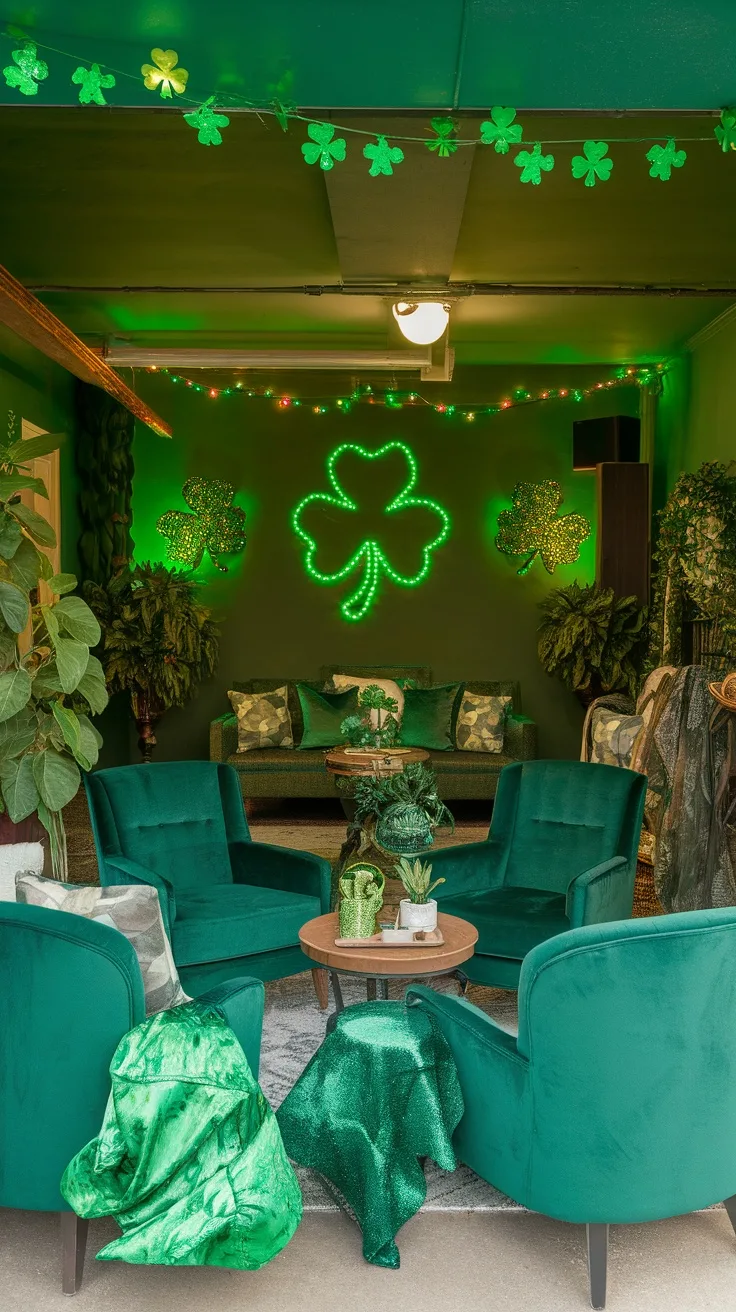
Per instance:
(415,876)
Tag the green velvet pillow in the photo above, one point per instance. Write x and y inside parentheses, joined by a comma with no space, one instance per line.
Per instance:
(428,717)
(323,713)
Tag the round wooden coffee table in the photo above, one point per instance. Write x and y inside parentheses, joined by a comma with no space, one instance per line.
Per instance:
(378,965)
(374,760)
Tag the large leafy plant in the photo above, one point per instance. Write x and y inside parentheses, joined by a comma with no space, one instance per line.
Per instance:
(416,784)
(49,682)
(158,639)
(592,640)
(361,731)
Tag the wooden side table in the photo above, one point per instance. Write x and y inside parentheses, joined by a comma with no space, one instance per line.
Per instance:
(378,965)
(372,761)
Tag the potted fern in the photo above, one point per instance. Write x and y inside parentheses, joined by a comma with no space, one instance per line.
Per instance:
(417,911)
(158,641)
(592,640)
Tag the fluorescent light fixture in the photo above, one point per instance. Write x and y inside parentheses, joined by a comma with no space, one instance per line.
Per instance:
(422,322)
(177,357)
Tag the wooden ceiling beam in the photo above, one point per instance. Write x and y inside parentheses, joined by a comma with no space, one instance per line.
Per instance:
(25,315)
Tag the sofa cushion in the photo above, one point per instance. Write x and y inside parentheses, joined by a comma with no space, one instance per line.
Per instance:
(510,921)
(481,722)
(237,920)
(428,717)
(263,719)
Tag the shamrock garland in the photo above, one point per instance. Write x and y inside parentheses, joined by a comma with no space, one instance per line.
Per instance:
(445,133)
(163,73)
(208,123)
(532,162)
(324,147)
(91,83)
(592,164)
(725,131)
(501,131)
(368,556)
(534,528)
(216,526)
(664,159)
(27,70)
(383,157)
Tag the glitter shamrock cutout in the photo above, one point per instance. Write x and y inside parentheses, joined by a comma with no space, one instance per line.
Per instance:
(208,123)
(324,146)
(534,528)
(163,73)
(664,159)
(726,130)
(216,525)
(532,162)
(383,157)
(592,165)
(92,83)
(27,70)
(445,144)
(501,131)
(327,510)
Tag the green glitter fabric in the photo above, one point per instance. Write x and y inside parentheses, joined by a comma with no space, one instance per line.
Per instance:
(381,1092)
(534,528)
(189,1159)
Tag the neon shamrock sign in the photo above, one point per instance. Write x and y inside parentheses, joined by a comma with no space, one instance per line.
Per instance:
(367,553)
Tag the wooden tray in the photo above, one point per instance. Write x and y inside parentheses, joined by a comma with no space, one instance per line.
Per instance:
(434,939)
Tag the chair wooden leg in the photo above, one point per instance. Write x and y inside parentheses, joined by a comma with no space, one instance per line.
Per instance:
(321,982)
(73,1244)
(730,1206)
(597,1263)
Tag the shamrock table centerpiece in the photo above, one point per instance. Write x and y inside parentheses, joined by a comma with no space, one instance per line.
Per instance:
(368,730)
(361,898)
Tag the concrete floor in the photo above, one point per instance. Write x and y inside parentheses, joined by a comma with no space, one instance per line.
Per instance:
(492,1262)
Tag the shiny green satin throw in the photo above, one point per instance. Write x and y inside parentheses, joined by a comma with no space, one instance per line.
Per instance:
(381,1092)
(189,1159)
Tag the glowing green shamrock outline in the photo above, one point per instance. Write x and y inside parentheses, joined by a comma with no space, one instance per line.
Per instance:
(216,525)
(91,83)
(725,131)
(207,123)
(592,164)
(664,159)
(322,147)
(531,163)
(501,132)
(370,553)
(29,71)
(445,145)
(383,157)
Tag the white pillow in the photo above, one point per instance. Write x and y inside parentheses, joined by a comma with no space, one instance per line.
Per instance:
(133,910)
(343,681)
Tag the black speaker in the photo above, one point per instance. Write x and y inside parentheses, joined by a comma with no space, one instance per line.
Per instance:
(602,441)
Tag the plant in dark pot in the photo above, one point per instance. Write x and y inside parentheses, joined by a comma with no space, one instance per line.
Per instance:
(158,641)
(49,682)
(592,640)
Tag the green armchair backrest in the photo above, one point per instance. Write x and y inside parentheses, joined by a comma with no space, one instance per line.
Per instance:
(70,988)
(176,818)
(556,819)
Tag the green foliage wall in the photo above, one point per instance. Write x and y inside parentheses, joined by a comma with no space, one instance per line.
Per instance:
(472,618)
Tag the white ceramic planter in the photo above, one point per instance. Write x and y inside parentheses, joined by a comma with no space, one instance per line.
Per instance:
(14,858)
(418,915)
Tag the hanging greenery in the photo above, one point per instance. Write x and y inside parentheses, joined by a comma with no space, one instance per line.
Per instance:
(104,460)
(695,561)
(592,640)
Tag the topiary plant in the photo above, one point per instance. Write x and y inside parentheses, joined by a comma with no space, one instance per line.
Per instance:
(592,640)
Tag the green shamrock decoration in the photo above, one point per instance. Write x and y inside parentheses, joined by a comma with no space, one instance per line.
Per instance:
(500,131)
(534,528)
(726,130)
(91,83)
(531,163)
(368,555)
(591,164)
(216,525)
(322,147)
(445,144)
(383,157)
(208,123)
(29,71)
(664,159)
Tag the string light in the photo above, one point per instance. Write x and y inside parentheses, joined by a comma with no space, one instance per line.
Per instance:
(369,556)
(393,399)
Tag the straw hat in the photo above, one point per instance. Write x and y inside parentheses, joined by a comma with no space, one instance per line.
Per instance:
(725,692)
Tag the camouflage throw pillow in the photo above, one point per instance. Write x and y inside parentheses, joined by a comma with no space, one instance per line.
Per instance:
(481,722)
(263,719)
(613,736)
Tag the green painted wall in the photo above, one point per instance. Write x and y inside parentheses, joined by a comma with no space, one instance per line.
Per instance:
(473,618)
(696,414)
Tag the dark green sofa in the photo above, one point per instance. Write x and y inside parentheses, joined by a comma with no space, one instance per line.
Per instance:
(281,772)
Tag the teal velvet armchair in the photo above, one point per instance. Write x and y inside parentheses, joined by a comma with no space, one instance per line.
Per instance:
(71,988)
(561,852)
(230,906)
(616,1102)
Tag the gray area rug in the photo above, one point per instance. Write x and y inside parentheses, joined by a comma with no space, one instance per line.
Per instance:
(293,1029)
